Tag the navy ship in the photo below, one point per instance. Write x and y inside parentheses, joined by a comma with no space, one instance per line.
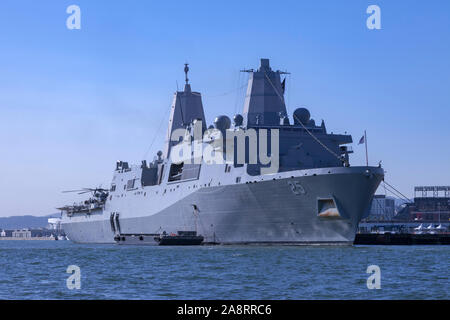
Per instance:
(266,178)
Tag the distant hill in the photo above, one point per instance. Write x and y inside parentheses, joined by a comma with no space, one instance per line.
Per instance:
(19,222)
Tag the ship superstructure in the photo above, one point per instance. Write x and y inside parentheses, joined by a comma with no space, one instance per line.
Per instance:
(280,180)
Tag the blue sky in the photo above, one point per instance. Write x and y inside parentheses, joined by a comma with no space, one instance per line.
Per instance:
(72,102)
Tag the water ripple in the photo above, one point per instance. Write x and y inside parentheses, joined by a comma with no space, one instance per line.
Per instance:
(37,270)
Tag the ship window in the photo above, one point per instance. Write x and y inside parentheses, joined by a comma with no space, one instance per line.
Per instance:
(175,172)
(149,176)
(130,184)
(238,179)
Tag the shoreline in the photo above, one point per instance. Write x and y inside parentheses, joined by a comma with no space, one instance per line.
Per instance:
(31,239)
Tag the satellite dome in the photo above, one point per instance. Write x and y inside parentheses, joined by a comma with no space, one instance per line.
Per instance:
(303,115)
(312,123)
(222,123)
(238,120)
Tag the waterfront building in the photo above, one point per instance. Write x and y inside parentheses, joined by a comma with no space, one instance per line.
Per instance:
(431,204)
(23,233)
(382,208)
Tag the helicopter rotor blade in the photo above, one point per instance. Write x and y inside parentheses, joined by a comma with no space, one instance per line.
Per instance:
(66,191)
(83,192)
(86,190)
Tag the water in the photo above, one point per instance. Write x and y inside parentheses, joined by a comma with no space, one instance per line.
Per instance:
(37,270)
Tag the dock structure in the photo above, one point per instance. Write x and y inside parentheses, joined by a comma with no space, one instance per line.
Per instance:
(388,238)
(21,238)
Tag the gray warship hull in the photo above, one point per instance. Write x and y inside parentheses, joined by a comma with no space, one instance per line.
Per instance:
(273,210)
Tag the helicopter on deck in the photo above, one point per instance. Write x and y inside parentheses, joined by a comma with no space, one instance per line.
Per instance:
(95,202)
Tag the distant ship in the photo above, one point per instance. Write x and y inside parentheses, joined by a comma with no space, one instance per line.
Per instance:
(313,197)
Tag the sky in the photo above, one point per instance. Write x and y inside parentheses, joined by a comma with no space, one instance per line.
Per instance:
(72,102)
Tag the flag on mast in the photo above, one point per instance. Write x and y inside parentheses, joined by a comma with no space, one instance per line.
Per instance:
(362,140)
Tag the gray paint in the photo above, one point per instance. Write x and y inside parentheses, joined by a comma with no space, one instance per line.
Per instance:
(263,105)
(187,106)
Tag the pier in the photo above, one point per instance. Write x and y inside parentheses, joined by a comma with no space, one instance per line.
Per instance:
(401,239)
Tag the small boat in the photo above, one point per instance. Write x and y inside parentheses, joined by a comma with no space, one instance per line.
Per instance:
(182,238)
